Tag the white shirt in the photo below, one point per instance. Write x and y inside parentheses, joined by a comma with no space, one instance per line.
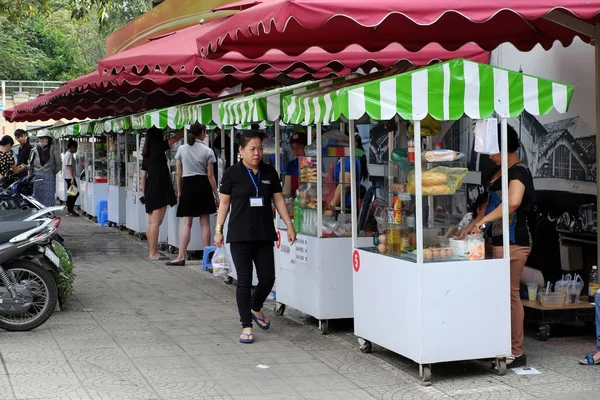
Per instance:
(67,162)
(195,159)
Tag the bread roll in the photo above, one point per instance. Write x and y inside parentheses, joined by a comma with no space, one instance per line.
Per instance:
(432,178)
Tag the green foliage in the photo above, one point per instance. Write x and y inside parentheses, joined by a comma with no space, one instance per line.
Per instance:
(58,40)
(65,286)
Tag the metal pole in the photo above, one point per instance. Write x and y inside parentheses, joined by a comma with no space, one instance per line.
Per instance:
(3,83)
(232,146)
(504,182)
(277,163)
(418,192)
(222,152)
(319,183)
(353,188)
(597,86)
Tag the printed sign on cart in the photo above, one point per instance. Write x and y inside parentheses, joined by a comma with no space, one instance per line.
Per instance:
(302,250)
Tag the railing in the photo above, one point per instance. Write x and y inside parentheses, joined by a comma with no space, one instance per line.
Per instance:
(32,88)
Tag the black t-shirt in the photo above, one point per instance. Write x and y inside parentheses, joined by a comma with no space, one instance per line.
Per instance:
(156,161)
(250,223)
(518,223)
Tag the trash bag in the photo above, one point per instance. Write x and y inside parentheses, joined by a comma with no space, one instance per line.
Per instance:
(220,263)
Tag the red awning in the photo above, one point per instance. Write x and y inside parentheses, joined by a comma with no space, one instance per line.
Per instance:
(295,25)
(353,57)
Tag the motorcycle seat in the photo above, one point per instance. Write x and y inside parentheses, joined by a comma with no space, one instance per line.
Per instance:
(9,230)
(15,215)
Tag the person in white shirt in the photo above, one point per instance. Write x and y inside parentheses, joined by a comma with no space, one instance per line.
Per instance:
(69,165)
(196,188)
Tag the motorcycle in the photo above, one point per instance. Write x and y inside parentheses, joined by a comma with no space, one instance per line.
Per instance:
(29,266)
(15,195)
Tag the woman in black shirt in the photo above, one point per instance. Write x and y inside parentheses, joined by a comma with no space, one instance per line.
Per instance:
(249,187)
(156,185)
(521,197)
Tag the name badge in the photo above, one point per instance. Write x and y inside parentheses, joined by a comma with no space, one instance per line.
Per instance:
(257,202)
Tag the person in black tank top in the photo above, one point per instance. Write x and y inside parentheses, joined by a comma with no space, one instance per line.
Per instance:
(521,196)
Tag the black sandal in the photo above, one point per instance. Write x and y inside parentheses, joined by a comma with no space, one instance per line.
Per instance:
(518,362)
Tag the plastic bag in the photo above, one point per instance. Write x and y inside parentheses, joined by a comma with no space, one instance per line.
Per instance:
(72,191)
(441,156)
(220,263)
(438,180)
(486,136)
(574,290)
(429,127)
(562,286)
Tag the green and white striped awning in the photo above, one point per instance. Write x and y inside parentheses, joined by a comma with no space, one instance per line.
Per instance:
(205,113)
(162,119)
(75,129)
(447,91)
(264,106)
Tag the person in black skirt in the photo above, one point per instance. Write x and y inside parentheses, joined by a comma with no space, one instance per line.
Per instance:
(250,187)
(156,185)
(198,195)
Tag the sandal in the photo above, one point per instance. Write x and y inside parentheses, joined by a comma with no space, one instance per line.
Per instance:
(258,321)
(517,362)
(161,257)
(249,338)
(589,360)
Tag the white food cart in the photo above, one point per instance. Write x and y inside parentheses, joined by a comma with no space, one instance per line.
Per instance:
(312,275)
(428,307)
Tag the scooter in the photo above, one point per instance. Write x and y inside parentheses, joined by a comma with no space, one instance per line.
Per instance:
(28,269)
(14,196)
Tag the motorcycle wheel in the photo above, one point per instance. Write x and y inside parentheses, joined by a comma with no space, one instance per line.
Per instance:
(45,296)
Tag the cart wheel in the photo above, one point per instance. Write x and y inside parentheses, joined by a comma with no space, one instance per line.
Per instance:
(425,372)
(130,232)
(143,237)
(121,228)
(324,326)
(163,247)
(228,280)
(279,309)
(544,332)
(500,366)
(365,346)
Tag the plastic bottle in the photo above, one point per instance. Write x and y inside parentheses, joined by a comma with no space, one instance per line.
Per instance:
(593,284)
(298,217)
(411,151)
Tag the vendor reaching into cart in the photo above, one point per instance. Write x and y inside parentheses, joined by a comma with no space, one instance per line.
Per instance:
(249,187)
(341,179)
(292,172)
(521,196)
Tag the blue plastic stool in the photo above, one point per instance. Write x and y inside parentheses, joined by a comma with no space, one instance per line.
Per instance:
(103,218)
(207,257)
(102,206)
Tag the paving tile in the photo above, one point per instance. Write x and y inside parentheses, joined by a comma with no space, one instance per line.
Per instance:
(140,330)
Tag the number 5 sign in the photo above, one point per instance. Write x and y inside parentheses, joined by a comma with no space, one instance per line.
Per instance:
(356,260)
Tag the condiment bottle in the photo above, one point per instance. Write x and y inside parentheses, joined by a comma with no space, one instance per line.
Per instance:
(411,151)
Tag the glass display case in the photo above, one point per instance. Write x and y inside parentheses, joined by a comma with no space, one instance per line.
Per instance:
(99,172)
(335,197)
(444,212)
(116,179)
(116,160)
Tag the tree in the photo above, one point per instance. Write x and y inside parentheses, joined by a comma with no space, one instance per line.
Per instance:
(16,11)
(57,47)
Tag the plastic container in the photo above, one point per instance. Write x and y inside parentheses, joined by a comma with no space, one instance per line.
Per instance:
(552,299)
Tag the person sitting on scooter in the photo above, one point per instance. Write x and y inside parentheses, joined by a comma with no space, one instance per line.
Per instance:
(7,161)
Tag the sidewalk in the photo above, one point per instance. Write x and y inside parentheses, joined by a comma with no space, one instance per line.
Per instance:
(142,330)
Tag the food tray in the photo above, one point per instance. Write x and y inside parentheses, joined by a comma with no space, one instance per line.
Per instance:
(552,299)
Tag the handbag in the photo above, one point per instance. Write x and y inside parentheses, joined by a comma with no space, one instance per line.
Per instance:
(72,191)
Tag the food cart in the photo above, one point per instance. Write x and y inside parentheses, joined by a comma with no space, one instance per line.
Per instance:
(135,212)
(117,153)
(424,303)
(312,275)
